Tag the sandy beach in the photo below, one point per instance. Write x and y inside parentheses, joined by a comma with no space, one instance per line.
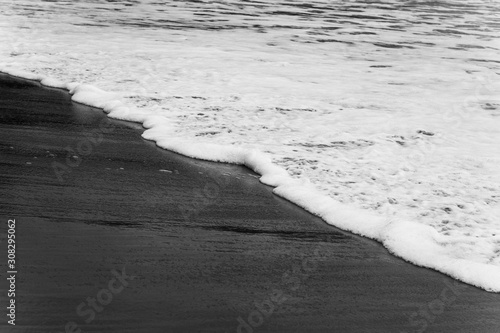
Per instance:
(114,234)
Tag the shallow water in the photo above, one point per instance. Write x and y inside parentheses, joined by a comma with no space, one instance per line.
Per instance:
(387,106)
(194,273)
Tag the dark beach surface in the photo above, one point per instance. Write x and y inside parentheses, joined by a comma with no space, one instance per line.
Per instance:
(116,235)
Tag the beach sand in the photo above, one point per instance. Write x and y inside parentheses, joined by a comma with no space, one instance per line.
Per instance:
(197,246)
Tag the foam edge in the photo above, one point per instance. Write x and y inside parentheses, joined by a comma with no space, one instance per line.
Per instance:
(418,244)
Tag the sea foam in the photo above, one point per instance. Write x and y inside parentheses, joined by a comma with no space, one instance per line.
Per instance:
(390,133)
(414,242)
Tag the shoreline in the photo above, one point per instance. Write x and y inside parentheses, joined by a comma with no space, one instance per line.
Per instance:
(231,255)
(403,239)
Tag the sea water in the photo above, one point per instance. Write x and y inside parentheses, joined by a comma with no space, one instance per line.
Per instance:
(382,117)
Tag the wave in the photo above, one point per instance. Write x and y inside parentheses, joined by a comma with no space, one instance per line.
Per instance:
(413,242)
(381,117)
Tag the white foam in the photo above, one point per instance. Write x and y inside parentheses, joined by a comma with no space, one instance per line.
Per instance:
(405,152)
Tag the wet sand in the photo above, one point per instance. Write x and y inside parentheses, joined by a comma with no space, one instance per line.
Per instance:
(117,235)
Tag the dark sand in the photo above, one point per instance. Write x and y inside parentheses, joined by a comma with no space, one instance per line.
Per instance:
(197,268)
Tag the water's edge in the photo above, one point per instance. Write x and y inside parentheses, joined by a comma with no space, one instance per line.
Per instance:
(415,243)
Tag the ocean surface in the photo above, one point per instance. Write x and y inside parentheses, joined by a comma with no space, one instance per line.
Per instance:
(382,117)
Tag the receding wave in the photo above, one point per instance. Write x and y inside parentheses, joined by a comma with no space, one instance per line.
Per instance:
(381,117)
